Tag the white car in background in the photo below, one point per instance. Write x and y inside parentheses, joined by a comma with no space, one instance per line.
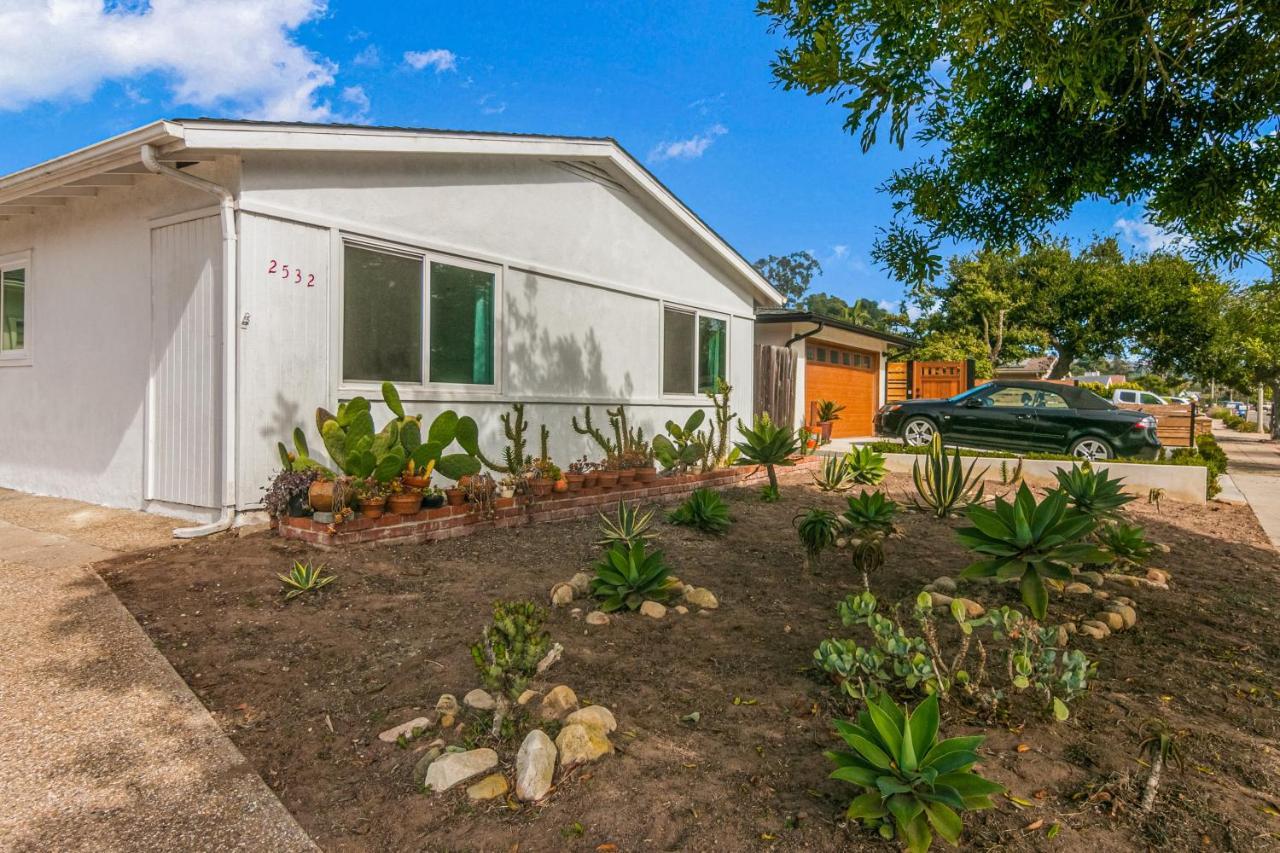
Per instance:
(1146,398)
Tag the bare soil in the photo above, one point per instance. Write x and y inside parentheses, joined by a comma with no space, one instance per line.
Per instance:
(304,688)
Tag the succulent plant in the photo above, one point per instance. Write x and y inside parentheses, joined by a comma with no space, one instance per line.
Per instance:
(943,483)
(304,577)
(866,466)
(818,530)
(870,513)
(769,445)
(509,651)
(628,577)
(680,448)
(834,475)
(1124,545)
(628,526)
(1092,492)
(703,509)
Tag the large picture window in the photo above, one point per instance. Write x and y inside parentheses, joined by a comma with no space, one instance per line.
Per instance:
(694,351)
(14,301)
(389,298)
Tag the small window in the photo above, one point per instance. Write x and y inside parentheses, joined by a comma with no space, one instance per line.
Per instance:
(808,353)
(1150,400)
(1011,398)
(461,325)
(822,354)
(845,357)
(381,316)
(695,351)
(13,310)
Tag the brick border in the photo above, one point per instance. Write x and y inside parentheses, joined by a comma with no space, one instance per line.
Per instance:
(447,522)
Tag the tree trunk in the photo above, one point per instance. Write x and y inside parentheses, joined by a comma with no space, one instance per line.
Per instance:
(1062,366)
(1153,781)
(1275,410)
(773,478)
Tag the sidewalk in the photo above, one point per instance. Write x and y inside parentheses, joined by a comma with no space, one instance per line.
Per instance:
(102,745)
(1254,465)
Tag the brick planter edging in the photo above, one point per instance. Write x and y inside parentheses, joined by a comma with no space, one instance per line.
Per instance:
(446,522)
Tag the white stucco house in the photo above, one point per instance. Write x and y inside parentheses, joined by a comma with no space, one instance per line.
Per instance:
(177,298)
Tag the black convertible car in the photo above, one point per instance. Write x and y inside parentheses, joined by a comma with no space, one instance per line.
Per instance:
(1027,416)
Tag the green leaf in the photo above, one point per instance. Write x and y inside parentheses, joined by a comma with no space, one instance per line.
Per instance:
(392,398)
(1060,710)
(917,834)
(945,821)
(890,734)
(855,775)
(869,806)
(1034,594)
(923,726)
(904,808)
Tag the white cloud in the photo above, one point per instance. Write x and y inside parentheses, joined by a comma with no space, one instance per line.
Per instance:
(490,105)
(369,57)
(840,250)
(439,59)
(886,305)
(234,55)
(687,149)
(1148,237)
(357,98)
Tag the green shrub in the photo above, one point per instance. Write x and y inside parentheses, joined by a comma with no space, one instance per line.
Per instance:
(703,509)
(1030,541)
(1092,492)
(866,466)
(817,529)
(1246,426)
(913,783)
(870,512)
(942,483)
(969,453)
(1059,677)
(627,577)
(627,527)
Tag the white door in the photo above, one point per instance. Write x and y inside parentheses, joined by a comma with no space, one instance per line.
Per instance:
(184,411)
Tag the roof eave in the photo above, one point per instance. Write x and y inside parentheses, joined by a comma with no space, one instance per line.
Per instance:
(811,317)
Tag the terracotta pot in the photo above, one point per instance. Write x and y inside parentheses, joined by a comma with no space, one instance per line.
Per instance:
(434,501)
(607,479)
(504,503)
(560,486)
(574,481)
(455,496)
(590,479)
(373,508)
(405,503)
(415,482)
(541,488)
(824,429)
(626,476)
(646,475)
(320,495)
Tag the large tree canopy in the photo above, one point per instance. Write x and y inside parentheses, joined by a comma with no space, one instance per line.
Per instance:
(790,274)
(1029,106)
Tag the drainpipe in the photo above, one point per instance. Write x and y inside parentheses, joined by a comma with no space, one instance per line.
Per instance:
(227,213)
(800,337)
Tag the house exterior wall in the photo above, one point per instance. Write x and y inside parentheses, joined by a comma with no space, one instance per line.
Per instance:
(73,419)
(583,273)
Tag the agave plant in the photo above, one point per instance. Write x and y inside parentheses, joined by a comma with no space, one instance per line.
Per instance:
(304,577)
(628,577)
(1124,545)
(913,783)
(769,445)
(943,483)
(628,526)
(703,509)
(868,556)
(834,475)
(818,529)
(870,512)
(866,467)
(1092,492)
(1028,541)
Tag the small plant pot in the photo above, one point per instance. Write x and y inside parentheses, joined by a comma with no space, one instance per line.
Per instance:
(416,482)
(299,507)
(574,481)
(560,486)
(590,479)
(506,494)
(406,503)
(373,508)
(646,475)
(455,496)
(626,476)
(432,501)
(824,430)
(607,479)
(540,488)
(504,502)
(320,495)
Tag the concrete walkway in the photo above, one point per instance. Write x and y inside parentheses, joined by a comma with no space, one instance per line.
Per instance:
(102,745)
(1254,466)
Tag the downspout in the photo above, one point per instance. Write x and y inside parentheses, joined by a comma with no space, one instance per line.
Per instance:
(227,213)
(800,337)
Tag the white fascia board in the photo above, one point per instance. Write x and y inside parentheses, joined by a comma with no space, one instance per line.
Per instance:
(92,160)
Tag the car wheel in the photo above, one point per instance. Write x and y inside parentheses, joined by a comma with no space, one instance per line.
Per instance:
(918,432)
(1090,448)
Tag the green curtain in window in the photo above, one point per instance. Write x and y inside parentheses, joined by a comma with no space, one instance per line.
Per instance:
(481,346)
(712,334)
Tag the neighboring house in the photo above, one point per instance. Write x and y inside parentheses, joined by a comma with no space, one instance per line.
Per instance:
(1038,367)
(834,360)
(178,298)
(1106,380)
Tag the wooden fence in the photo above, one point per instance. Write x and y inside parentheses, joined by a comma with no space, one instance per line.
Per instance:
(775,378)
(1176,425)
(921,380)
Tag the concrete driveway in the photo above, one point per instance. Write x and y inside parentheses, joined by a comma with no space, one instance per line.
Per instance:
(1253,461)
(102,745)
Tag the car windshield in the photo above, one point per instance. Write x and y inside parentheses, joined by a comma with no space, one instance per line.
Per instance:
(965,394)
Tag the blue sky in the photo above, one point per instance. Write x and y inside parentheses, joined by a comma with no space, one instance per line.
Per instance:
(685,86)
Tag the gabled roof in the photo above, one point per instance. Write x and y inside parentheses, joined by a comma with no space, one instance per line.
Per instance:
(789,315)
(112,162)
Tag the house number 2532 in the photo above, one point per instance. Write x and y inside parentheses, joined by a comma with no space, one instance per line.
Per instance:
(291,274)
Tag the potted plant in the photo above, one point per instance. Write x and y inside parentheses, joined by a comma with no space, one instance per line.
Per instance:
(286,497)
(455,494)
(321,494)
(372,497)
(626,474)
(417,477)
(590,473)
(828,412)
(608,473)
(576,474)
(433,497)
(640,463)
(404,500)
(508,485)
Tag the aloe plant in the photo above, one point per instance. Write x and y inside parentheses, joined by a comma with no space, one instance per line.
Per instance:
(834,475)
(769,445)
(1124,545)
(943,483)
(1092,492)
(628,526)
(870,513)
(628,577)
(703,509)
(1030,541)
(817,529)
(866,466)
(913,783)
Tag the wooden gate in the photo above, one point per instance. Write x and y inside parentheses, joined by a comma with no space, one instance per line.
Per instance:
(1176,425)
(775,378)
(927,380)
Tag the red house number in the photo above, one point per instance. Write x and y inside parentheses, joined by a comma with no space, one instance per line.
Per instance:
(291,274)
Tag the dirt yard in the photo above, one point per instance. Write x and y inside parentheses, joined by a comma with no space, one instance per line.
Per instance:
(304,688)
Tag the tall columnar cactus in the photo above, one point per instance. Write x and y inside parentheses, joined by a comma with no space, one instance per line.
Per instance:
(718,440)
(514,455)
(594,433)
(626,439)
(508,653)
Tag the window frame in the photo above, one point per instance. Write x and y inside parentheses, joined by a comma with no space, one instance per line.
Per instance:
(698,314)
(426,389)
(20,261)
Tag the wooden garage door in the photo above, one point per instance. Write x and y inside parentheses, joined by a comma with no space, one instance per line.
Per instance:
(848,376)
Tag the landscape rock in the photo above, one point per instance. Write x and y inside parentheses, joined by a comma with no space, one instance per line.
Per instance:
(1092,578)
(393,734)
(550,658)
(597,617)
(937,599)
(579,744)
(1101,595)
(944,584)
(1112,620)
(479,699)
(575,613)
(1120,599)
(681,609)
(526,697)
(1070,627)
(1158,576)
(972,609)
(1095,629)
(1127,613)
(1125,580)
(447,721)
(420,769)
(702,597)
(455,767)
(1063,637)
(653,610)
(447,704)
(559,703)
(494,785)
(581,583)
(594,715)
(535,766)
(1077,588)
(562,594)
